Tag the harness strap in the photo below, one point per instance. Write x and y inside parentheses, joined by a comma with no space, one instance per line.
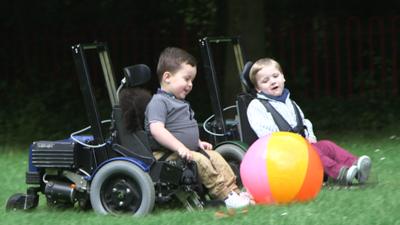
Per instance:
(282,124)
(300,125)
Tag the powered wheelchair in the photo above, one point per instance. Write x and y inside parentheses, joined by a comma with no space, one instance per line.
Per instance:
(221,128)
(111,169)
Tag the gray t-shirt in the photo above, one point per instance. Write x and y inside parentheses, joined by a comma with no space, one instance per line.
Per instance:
(177,117)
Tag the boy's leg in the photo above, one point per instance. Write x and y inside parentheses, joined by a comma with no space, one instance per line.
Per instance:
(219,182)
(225,169)
(212,179)
(159,154)
(333,157)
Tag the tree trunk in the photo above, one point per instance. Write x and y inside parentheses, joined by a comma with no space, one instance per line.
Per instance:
(244,19)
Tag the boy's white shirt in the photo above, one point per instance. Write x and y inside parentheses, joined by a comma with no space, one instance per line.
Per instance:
(263,123)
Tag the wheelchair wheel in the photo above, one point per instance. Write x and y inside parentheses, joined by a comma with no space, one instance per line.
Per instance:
(121,187)
(233,154)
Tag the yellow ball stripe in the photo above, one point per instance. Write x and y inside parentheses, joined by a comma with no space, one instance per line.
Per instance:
(286,167)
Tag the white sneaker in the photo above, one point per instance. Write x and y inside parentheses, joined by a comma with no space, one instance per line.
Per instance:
(364,167)
(245,194)
(351,174)
(234,201)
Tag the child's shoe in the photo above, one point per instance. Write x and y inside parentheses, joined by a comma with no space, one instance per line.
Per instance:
(245,194)
(351,174)
(347,175)
(234,201)
(364,167)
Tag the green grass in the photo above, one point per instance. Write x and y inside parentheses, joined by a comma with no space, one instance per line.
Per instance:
(377,203)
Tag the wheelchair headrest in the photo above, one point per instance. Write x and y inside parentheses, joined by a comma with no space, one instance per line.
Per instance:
(137,74)
(245,77)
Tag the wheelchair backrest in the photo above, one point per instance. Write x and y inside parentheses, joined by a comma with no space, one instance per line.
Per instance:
(132,144)
(136,75)
(133,102)
(247,135)
(245,79)
(128,115)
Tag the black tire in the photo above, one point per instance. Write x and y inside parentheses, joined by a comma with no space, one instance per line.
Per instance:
(121,187)
(16,202)
(233,154)
(21,201)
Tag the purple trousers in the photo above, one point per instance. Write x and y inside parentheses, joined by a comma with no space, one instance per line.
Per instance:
(333,157)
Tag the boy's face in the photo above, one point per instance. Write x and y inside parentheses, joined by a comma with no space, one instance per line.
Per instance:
(270,81)
(180,83)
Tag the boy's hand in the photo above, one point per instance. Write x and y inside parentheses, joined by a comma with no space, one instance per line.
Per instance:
(166,139)
(185,153)
(205,145)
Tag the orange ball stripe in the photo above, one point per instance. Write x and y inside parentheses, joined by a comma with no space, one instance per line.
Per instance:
(314,178)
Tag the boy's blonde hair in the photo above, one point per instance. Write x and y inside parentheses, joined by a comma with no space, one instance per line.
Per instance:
(171,58)
(259,64)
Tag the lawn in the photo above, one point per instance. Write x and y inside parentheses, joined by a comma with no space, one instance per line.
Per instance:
(376,203)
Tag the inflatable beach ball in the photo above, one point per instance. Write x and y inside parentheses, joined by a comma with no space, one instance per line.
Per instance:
(281,168)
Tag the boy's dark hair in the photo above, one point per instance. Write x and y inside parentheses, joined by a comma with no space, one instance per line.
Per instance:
(171,59)
(133,102)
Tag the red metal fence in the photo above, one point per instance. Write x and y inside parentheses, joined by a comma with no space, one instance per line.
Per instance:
(338,57)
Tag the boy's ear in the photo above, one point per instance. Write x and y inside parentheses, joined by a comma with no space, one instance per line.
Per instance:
(165,77)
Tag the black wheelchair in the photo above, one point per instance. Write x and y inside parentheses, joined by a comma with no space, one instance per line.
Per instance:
(111,169)
(221,128)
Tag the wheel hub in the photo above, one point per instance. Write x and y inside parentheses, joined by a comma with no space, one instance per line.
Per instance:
(122,193)
(121,196)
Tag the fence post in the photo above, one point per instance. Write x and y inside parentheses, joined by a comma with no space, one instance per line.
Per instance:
(395,36)
(381,46)
(353,23)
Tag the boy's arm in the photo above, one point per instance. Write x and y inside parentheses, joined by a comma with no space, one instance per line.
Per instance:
(166,139)
(309,132)
(310,136)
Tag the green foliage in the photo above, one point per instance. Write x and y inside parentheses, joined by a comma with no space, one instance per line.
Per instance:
(377,203)
(357,113)
(199,15)
(41,110)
